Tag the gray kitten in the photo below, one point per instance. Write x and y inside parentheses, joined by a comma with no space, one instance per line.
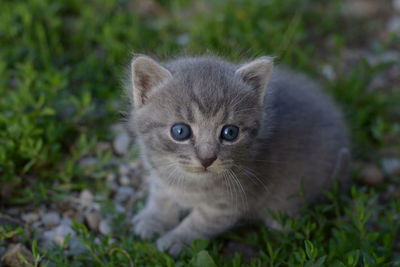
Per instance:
(227,142)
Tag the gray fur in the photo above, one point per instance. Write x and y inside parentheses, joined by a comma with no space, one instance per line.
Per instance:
(292,145)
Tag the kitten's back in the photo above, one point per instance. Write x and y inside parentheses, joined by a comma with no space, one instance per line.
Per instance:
(304,140)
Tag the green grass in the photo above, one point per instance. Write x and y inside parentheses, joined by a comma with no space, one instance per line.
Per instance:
(61,63)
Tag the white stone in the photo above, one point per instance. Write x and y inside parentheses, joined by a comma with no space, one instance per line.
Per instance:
(51,219)
(86,198)
(391,166)
(104,227)
(61,232)
(328,72)
(121,143)
(30,217)
(124,180)
(123,169)
(123,194)
(66,221)
(48,235)
(119,208)
(92,220)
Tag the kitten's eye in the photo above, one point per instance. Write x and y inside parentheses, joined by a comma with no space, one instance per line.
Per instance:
(230,133)
(180,132)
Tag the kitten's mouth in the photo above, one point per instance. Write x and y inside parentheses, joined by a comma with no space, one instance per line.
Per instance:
(203,171)
(198,170)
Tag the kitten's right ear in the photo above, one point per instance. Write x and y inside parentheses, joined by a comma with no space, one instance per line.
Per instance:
(146,76)
(257,73)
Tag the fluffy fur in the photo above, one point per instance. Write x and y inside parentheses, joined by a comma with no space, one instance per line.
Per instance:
(291,146)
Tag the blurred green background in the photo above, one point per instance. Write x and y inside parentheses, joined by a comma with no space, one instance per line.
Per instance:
(62,63)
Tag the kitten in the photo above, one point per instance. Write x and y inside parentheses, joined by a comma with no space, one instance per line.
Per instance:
(226,142)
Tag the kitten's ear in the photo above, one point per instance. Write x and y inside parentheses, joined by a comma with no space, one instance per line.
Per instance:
(146,75)
(257,73)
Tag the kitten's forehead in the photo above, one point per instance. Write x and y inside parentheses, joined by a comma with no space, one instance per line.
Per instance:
(207,88)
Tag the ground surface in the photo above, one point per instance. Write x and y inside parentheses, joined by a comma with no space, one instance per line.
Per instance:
(70,176)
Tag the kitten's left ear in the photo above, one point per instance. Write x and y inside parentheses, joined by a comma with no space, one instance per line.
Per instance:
(257,73)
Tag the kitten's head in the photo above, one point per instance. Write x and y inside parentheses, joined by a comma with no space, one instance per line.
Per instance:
(197,116)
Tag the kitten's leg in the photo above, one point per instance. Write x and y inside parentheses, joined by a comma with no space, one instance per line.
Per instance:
(160,214)
(202,222)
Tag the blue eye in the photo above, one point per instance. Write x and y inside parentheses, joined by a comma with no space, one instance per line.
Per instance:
(230,133)
(180,132)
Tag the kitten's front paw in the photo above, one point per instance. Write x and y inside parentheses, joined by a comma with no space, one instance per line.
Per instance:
(171,243)
(146,225)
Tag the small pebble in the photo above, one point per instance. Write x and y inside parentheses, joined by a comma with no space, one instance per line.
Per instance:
(391,166)
(111,177)
(119,208)
(37,225)
(30,217)
(104,227)
(61,232)
(135,165)
(77,247)
(86,198)
(123,194)
(66,221)
(51,219)
(372,175)
(121,143)
(12,256)
(48,236)
(123,169)
(92,220)
(124,180)
(328,71)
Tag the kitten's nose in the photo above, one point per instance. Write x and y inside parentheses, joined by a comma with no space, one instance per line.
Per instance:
(207,161)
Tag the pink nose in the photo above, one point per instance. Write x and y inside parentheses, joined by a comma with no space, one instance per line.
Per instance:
(207,161)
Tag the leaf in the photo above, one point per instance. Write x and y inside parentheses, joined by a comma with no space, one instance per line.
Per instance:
(310,250)
(203,259)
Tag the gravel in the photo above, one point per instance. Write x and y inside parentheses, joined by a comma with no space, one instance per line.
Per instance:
(53,221)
